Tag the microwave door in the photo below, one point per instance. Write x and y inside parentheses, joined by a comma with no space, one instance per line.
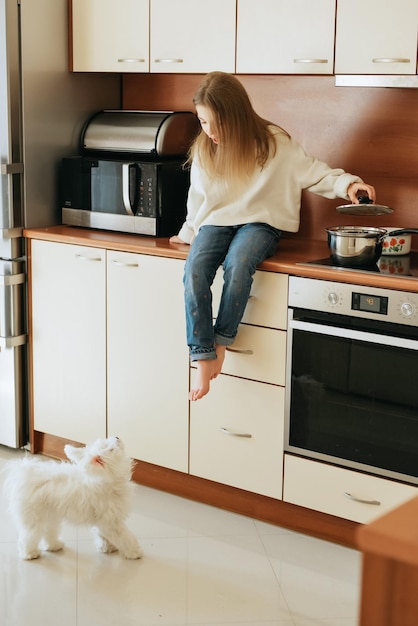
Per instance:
(113,187)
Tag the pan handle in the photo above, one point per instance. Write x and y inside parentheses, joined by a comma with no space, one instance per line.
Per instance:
(399,231)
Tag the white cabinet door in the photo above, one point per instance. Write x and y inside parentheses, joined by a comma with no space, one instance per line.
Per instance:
(192,36)
(148,366)
(285,36)
(236,435)
(69,340)
(110,35)
(376,37)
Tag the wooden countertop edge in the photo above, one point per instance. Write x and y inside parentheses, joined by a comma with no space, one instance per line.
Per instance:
(394,535)
(109,240)
(290,258)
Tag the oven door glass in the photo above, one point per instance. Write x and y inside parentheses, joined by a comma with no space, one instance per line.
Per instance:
(353,394)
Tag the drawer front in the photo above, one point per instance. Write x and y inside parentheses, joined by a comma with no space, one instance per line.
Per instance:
(236,435)
(341,492)
(257,353)
(267,305)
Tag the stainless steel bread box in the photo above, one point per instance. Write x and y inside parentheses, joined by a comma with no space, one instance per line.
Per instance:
(158,133)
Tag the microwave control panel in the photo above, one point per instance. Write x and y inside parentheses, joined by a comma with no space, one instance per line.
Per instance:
(147,193)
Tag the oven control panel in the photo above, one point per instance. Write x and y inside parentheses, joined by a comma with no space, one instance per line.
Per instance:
(397,307)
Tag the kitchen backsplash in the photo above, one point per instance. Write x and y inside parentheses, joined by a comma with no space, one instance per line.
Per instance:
(372,132)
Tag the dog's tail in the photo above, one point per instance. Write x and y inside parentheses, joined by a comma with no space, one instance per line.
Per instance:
(12,471)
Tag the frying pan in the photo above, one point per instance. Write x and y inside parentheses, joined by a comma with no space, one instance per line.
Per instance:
(366,207)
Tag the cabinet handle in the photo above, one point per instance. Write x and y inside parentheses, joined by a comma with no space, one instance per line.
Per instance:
(122,264)
(131,60)
(239,351)
(310,60)
(351,497)
(168,60)
(235,434)
(88,258)
(389,60)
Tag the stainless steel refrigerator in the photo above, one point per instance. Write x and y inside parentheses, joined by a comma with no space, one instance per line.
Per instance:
(42,110)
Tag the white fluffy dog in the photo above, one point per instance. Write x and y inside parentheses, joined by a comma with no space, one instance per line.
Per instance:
(92,489)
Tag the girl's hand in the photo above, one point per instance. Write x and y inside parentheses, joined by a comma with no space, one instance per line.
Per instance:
(354,189)
(176,239)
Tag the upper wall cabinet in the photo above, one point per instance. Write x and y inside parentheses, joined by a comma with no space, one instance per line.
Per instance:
(110,35)
(167,36)
(375,37)
(285,37)
(190,36)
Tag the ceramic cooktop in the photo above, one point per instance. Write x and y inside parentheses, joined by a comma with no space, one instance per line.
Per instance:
(403,265)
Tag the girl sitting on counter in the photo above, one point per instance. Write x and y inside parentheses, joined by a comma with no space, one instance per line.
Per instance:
(246,181)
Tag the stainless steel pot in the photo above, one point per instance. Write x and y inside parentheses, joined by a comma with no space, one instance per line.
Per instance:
(356,246)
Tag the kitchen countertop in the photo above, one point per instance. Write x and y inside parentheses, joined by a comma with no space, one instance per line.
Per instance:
(290,253)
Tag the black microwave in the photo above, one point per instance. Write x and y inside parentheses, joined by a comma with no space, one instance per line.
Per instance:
(146,197)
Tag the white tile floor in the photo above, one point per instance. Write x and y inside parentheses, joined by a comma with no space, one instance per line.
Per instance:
(201,566)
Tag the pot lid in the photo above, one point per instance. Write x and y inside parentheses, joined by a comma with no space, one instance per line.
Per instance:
(365,207)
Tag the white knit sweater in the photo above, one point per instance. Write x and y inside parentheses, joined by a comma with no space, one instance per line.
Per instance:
(273,196)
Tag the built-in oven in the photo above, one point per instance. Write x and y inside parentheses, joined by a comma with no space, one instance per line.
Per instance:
(352,377)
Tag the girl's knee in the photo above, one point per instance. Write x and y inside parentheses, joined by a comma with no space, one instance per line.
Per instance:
(238,269)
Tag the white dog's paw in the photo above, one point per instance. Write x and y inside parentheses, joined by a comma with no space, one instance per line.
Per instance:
(133,553)
(54,546)
(29,555)
(28,550)
(103,545)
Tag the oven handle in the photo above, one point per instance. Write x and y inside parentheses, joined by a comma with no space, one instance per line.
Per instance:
(359,335)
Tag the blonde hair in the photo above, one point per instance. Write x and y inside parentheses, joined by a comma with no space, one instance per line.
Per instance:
(245,140)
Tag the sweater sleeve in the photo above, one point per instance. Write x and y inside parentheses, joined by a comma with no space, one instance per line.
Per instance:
(186,233)
(320,178)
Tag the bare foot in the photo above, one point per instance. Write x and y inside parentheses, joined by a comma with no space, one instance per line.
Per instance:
(207,370)
(201,382)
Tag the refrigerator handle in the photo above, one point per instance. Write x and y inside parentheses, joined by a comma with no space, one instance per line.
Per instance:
(8,280)
(12,168)
(9,169)
(11,233)
(13,342)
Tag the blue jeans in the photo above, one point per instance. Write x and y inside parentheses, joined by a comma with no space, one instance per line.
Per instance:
(240,249)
